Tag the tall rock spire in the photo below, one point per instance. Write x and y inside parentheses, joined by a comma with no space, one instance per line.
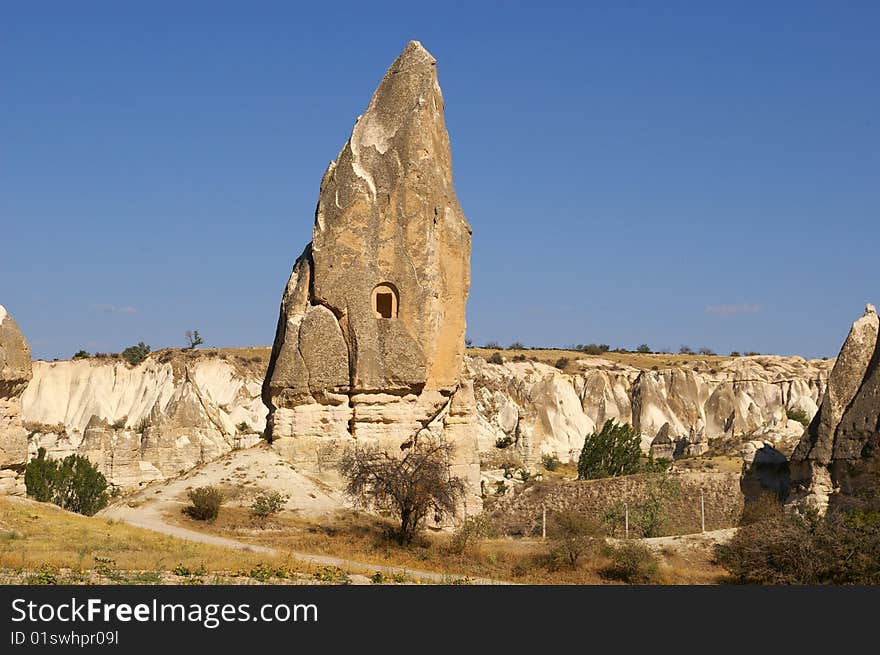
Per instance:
(370,339)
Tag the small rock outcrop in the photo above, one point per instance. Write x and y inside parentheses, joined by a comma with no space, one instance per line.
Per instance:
(843,439)
(15,374)
(370,337)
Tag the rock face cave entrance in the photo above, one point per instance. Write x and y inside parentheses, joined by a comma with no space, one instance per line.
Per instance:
(385,301)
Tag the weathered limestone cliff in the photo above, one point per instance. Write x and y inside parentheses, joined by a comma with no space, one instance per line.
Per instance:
(15,373)
(843,440)
(73,406)
(147,422)
(370,338)
(543,411)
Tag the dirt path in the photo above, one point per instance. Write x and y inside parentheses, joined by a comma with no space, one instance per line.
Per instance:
(149,516)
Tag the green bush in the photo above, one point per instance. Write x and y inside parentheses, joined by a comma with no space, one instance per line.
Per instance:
(134,355)
(593,349)
(471,530)
(644,349)
(561,363)
(573,534)
(517,345)
(268,503)
(798,415)
(787,548)
(72,483)
(631,562)
(613,451)
(550,461)
(81,354)
(649,516)
(205,503)
(495,358)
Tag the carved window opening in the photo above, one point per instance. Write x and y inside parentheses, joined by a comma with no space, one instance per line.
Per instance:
(385,301)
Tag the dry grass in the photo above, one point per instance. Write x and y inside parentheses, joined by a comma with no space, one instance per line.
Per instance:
(35,535)
(361,537)
(640,361)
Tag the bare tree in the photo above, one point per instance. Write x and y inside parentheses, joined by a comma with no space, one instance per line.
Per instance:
(410,486)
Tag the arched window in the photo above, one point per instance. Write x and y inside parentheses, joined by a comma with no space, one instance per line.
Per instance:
(385,301)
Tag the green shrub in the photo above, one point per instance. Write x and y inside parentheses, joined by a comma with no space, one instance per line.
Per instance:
(471,530)
(573,534)
(504,442)
(268,503)
(593,349)
(734,353)
(517,345)
(550,461)
(134,355)
(631,562)
(81,354)
(332,574)
(649,516)
(644,349)
(495,358)
(613,451)
(561,363)
(205,503)
(798,415)
(492,345)
(44,575)
(72,483)
(243,428)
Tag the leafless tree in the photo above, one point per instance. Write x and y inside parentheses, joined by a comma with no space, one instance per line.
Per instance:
(410,485)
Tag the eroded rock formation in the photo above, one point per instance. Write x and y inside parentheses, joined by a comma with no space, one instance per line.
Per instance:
(152,421)
(544,411)
(843,439)
(370,338)
(15,374)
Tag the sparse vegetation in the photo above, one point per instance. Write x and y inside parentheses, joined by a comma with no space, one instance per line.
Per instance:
(593,349)
(204,504)
(685,350)
(516,345)
(492,345)
(268,503)
(193,339)
(573,534)
(243,428)
(550,461)
(504,442)
(651,514)
(708,352)
(134,355)
(72,483)
(780,547)
(643,349)
(614,450)
(631,562)
(496,358)
(562,363)
(410,486)
(81,354)
(798,415)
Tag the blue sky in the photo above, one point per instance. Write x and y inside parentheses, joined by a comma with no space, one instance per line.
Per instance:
(670,173)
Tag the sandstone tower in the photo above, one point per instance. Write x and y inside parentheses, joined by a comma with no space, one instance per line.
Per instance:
(840,448)
(370,339)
